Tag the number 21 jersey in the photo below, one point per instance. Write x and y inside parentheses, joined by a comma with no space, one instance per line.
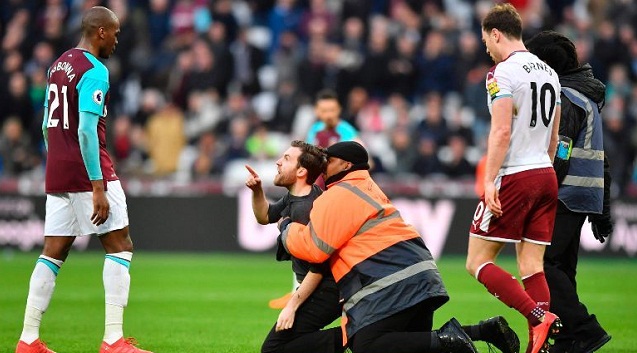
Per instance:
(77,82)
(535,89)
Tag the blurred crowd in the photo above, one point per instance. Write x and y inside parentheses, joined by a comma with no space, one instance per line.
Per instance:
(199,86)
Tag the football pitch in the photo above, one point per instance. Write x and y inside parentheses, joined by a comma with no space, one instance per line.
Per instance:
(218,303)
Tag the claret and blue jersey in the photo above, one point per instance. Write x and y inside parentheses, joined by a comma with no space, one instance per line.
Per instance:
(77,84)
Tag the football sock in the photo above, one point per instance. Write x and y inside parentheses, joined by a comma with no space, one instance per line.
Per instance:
(538,290)
(506,288)
(116,288)
(41,288)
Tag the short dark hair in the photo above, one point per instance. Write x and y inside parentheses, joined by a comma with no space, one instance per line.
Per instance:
(326,94)
(312,158)
(506,19)
(554,49)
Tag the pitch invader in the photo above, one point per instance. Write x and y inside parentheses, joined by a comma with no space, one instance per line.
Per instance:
(84,195)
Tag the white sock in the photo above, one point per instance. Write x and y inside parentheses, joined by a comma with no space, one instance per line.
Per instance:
(41,288)
(116,288)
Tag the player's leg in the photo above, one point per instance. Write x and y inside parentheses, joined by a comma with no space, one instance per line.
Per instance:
(119,253)
(500,283)
(530,255)
(118,246)
(542,324)
(489,234)
(530,258)
(59,220)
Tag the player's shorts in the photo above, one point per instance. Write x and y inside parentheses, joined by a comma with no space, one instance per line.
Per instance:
(529,203)
(69,213)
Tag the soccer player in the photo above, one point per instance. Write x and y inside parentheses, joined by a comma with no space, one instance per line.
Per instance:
(385,274)
(84,195)
(520,186)
(584,191)
(329,128)
(315,304)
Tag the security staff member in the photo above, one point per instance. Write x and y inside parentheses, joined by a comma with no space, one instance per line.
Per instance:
(387,277)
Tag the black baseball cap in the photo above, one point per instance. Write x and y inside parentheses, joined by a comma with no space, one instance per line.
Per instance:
(350,151)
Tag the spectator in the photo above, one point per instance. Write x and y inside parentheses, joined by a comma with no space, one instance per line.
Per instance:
(206,74)
(261,144)
(203,114)
(356,101)
(287,58)
(402,67)
(165,139)
(16,153)
(374,73)
(158,22)
(50,21)
(208,161)
(287,104)
(285,16)
(248,59)
(223,59)
(427,162)
(318,15)
(222,13)
(404,151)
(20,103)
(433,124)
(235,142)
(312,69)
(435,66)
(456,166)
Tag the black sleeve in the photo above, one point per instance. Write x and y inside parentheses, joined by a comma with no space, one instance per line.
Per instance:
(275,209)
(572,120)
(322,268)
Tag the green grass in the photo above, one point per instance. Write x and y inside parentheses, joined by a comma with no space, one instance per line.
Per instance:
(217,303)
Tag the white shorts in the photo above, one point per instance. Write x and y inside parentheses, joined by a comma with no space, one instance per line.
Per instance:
(69,213)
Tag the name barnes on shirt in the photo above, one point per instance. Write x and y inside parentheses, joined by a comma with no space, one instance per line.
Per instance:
(540,66)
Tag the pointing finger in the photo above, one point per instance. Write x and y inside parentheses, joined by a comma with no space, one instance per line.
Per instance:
(252,171)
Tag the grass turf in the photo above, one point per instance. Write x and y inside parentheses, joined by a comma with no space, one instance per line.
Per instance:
(217,303)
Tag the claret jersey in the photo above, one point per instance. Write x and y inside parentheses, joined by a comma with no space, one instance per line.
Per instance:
(77,82)
(535,89)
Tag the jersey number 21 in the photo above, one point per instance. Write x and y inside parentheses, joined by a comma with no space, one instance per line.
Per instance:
(55,103)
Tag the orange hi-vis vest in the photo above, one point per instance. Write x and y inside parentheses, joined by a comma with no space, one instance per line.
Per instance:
(380,263)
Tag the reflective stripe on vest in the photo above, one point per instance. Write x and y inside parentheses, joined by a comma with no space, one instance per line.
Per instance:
(583,187)
(380,216)
(388,281)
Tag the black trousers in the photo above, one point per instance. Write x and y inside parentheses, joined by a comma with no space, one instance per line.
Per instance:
(408,331)
(560,268)
(320,309)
